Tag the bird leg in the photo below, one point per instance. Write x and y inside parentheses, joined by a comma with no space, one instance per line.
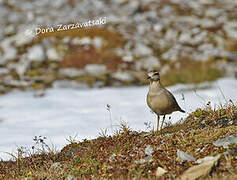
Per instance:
(162,121)
(158,121)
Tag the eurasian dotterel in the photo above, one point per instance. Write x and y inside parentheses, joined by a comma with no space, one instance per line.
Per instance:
(159,99)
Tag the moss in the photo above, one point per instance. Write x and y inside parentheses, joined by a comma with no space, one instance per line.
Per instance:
(191,72)
(33,73)
(231,45)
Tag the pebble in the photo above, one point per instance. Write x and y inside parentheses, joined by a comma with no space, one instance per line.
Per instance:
(69,84)
(184,156)
(207,158)
(97,42)
(160,171)
(225,142)
(85,41)
(10,53)
(71,72)
(148,63)
(36,53)
(148,150)
(95,69)
(123,76)
(23,38)
(70,177)
(52,54)
(142,50)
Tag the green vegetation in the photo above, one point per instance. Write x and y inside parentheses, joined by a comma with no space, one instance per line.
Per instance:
(123,156)
(188,71)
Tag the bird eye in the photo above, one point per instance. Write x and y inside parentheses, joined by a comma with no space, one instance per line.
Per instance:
(156,73)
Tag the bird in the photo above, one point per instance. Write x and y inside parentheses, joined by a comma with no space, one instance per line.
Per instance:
(159,99)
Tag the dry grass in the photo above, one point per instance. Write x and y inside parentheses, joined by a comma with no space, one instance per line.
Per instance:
(82,57)
(112,38)
(231,45)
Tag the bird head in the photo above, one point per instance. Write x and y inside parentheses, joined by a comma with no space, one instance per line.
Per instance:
(153,75)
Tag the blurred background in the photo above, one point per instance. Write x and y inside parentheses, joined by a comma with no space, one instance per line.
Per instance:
(58,83)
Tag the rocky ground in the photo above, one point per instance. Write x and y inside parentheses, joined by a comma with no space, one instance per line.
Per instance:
(138,36)
(201,146)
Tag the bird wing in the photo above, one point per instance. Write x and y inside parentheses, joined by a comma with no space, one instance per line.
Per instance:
(174,104)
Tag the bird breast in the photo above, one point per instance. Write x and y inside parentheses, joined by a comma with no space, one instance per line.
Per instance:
(159,103)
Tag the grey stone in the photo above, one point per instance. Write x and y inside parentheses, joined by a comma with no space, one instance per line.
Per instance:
(144,160)
(142,50)
(66,39)
(225,142)
(160,171)
(76,41)
(24,37)
(147,63)
(99,84)
(212,12)
(127,58)
(36,53)
(185,156)
(95,69)
(10,53)
(6,43)
(27,178)
(69,84)
(52,54)
(10,30)
(158,27)
(185,37)
(171,54)
(70,177)
(97,42)
(71,72)
(58,3)
(22,66)
(171,34)
(201,170)
(4,71)
(231,29)
(208,158)
(148,150)
(208,23)
(17,83)
(123,76)
(85,41)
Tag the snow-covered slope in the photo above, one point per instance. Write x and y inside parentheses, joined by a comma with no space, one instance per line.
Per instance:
(66,112)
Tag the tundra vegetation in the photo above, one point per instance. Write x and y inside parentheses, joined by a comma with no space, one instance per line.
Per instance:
(129,154)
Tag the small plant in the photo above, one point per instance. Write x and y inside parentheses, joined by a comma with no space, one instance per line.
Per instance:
(124,128)
(108,108)
(71,139)
(168,123)
(148,125)
(40,141)
(103,133)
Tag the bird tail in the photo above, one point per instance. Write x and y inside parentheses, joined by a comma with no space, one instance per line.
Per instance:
(181,110)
